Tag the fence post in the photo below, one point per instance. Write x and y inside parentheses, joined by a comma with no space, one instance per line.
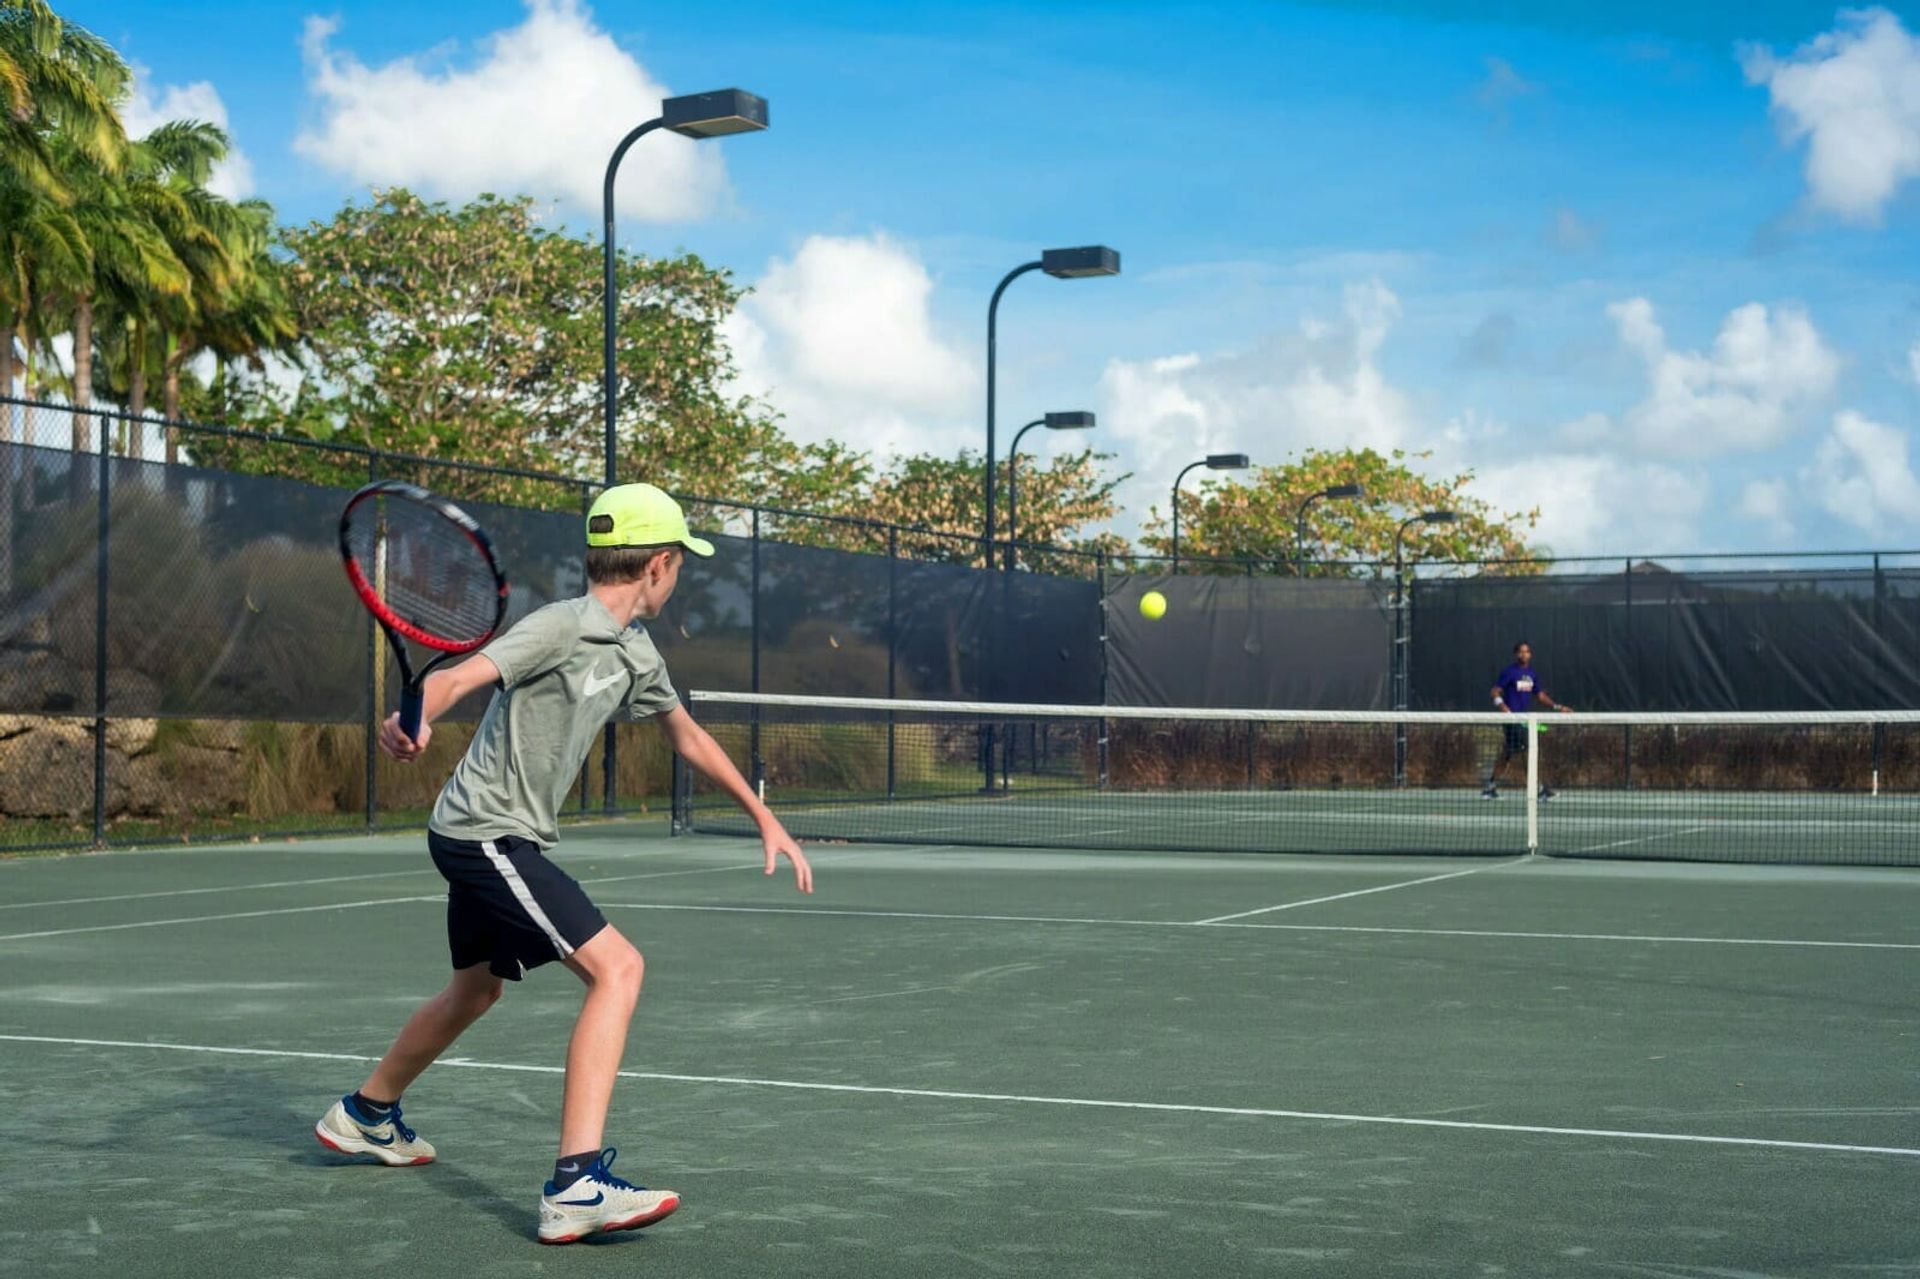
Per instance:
(756,766)
(1253,725)
(1626,730)
(374,708)
(103,529)
(1100,567)
(1879,670)
(893,647)
(1397,671)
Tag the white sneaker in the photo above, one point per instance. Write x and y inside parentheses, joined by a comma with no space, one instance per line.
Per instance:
(600,1202)
(390,1141)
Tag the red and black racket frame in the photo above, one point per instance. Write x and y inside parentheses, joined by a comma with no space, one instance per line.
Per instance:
(398,629)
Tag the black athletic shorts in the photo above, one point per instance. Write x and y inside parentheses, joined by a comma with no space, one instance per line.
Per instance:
(508,906)
(1516,739)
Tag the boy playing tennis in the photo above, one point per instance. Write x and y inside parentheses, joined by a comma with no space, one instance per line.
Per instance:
(560,674)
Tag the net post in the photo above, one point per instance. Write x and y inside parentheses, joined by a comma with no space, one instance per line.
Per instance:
(681,784)
(1533,784)
(103,519)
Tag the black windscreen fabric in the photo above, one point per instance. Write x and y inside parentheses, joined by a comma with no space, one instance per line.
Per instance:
(706,631)
(824,620)
(940,642)
(1656,640)
(48,545)
(1261,642)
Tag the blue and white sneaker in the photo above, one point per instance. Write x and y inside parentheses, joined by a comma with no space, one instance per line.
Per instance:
(390,1141)
(600,1202)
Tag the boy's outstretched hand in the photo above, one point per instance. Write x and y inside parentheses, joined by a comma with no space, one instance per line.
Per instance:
(774,838)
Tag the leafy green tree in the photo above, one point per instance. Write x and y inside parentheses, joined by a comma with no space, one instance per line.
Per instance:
(939,504)
(474,333)
(1348,537)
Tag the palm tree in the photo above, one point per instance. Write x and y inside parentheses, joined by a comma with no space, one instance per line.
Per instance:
(191,231)
(132,262)
(242,321)
(54,76)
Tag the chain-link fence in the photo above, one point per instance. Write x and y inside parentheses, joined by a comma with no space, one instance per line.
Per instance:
(181,658)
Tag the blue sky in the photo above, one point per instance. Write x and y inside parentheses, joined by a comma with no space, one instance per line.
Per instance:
(1648,267)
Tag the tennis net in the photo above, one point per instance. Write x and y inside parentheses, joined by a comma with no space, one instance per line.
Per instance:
(1840,788)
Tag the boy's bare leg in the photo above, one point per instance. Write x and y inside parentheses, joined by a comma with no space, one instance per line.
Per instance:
(431,1031)
(612,970)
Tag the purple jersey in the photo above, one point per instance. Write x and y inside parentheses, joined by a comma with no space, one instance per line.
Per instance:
(1519,685)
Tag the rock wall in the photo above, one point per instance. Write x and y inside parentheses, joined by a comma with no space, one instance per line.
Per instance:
(194,767)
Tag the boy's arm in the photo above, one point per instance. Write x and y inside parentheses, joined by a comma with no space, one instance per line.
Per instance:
(442,689)
(694,744)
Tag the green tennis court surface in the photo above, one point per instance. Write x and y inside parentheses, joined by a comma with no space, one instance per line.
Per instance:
(959,1062)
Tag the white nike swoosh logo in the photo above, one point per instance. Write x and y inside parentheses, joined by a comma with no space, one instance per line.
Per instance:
(595,684)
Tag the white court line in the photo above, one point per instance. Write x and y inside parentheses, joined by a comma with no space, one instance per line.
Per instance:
(1360,892)
(224,888)
(300,910)
(210,919)
(1007,919)
(1295,928)
(668,874)
(1025,1099)
(1644,839)
(1487,932)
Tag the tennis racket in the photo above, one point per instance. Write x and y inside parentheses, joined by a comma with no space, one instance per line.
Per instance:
(426,571)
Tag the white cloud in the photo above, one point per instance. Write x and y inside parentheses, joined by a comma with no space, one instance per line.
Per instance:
(1752,390)
(840,338)
(151,106)
(1853,95)
(1862,473)
(1913,363)
(1594,503)
(538,112)
(1767,503)
(1320,386)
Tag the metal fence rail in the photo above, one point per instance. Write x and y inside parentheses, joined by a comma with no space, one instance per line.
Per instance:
(179,658)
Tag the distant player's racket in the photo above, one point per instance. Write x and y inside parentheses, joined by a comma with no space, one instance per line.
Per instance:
(426,571)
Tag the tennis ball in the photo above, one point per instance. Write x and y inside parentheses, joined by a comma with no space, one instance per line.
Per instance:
(1153,606)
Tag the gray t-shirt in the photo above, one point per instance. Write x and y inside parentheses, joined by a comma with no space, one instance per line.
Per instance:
(565,670)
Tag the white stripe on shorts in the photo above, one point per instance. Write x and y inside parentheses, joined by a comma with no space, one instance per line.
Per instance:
(524,896)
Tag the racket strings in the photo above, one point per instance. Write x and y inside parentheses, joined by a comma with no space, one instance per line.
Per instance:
(426,568)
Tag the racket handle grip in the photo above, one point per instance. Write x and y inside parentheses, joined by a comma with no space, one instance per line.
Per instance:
(412,702)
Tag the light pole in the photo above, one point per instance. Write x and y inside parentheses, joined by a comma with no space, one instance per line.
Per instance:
(695,115)
(1400,672)
(1061,264)
(1078,420)
(1300,521)
(1213,462)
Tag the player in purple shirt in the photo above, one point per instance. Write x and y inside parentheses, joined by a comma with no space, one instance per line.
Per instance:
(1515,691)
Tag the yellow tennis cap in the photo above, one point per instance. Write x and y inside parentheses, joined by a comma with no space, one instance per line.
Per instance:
(641,515)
